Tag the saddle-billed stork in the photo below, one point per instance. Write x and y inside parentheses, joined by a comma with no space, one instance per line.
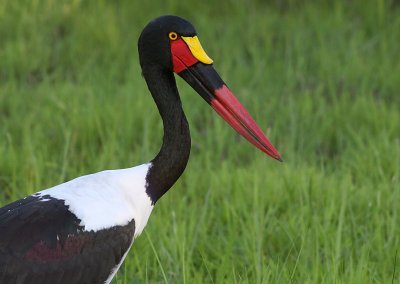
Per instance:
(80,231)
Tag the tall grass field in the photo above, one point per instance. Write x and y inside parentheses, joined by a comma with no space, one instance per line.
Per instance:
(322,79)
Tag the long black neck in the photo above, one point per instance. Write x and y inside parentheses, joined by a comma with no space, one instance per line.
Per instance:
(171,161)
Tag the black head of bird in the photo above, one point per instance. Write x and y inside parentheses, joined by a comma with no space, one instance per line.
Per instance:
(170,44)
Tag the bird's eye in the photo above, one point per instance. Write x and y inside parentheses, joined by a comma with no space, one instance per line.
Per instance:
(173,35)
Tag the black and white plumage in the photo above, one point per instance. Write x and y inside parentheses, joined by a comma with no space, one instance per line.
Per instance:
(81,231)
(85,226)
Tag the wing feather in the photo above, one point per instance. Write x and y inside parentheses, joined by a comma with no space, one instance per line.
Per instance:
(41,241)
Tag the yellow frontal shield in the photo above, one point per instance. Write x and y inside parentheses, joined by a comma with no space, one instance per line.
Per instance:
(197,50)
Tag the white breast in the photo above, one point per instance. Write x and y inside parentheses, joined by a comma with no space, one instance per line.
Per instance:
(106,199)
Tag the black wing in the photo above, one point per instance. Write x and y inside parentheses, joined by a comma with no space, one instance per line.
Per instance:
(43,242)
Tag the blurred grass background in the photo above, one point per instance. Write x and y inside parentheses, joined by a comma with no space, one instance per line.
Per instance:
(322,78)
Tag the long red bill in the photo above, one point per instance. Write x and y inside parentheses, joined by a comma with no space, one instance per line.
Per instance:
(194,66)
(233,112)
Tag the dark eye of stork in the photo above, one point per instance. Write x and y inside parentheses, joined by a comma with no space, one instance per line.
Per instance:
(173,36)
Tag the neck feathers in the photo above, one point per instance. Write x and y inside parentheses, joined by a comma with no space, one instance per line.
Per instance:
(172,159)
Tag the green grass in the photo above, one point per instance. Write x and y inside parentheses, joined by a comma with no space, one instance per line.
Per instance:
(322,80)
